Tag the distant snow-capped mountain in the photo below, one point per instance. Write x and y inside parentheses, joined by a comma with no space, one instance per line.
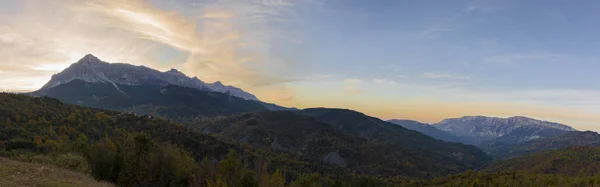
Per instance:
(480,129)
(93,70)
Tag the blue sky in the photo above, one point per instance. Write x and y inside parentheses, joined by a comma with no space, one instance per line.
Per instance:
(542,54)
(507,45)
(422,60)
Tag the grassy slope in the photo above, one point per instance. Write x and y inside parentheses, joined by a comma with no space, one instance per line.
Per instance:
(15,173)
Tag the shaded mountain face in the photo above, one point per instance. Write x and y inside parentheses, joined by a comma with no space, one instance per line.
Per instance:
(483,131)
(574,138)
(93,70)
(171,101)
(293,133)
(436,155)
(124,87)
(412,154)
(426,129)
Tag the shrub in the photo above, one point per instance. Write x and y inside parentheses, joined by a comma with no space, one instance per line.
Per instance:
(105,162)
(41,159)
(48,147)
(73,162)
(3,136)
(4,153)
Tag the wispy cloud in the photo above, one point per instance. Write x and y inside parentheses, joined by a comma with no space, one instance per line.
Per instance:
(384,81)
(222,40)
(482,6)
(531,57)
(391,67)
(435,31)
(432,75)
(440,27)
(352,85)
(319,77)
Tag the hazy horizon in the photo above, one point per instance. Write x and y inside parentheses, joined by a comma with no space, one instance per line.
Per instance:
(422,61)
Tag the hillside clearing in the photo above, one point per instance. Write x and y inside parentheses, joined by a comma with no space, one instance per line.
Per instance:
(15,173)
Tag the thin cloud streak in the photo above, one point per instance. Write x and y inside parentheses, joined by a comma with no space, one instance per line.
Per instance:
(352,86)
(431,75)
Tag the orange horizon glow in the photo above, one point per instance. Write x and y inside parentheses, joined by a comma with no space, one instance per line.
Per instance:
(230,43)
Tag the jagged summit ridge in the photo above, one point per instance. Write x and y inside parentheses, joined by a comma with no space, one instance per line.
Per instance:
(175,72)
(479,129)
(516,121)
(91,69)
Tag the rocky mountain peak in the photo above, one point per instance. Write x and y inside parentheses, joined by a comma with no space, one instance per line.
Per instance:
(89,59)
(174,71)
(93,70)
(218,83)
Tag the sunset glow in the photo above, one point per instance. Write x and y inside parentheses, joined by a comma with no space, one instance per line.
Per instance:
(388,60)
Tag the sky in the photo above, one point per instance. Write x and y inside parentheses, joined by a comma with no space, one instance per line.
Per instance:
(422,60)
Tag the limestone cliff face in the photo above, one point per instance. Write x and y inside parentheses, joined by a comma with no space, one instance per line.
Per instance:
(93,70)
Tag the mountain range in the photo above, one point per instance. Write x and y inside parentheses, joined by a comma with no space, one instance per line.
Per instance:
(124,87)
(93,70)
(340,137)
(337,137)
(481,130)
(489,133)
(169,101)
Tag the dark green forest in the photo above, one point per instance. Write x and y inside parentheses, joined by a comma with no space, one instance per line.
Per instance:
(575,138)
(132,150)
(386,149)
(572,166)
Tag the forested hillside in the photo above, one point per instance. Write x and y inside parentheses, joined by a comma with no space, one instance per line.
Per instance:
(442,155)
(391,150)
(573,166)
(510,179)
(571,161)
(575,138)
(131,150)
